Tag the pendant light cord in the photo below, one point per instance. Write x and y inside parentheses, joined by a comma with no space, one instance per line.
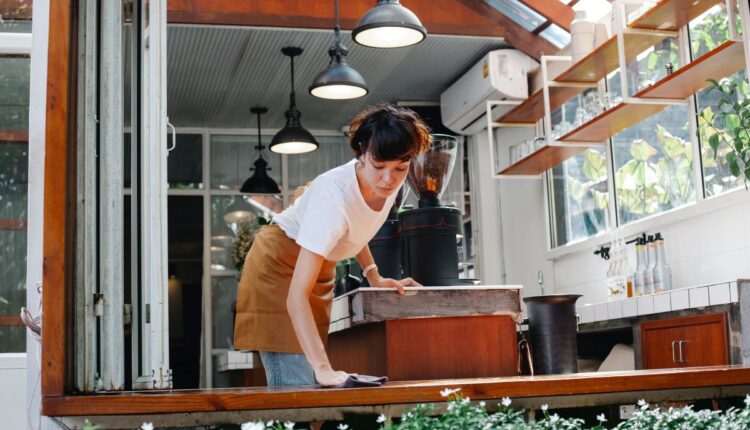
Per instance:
(339,49)
(292,98)
(260,145)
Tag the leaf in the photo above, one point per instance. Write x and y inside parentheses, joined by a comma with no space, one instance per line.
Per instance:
(732,162)
(713,142)
(641,150)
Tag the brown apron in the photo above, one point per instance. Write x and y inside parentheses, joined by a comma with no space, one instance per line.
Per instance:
(262,322)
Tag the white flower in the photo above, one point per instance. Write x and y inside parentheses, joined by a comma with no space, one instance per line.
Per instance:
(482,404)
(289,425)
(553,419)
(465,401)
(747,400)
(147,426)
(451,406)
(447,392)
(506,401)
(342,426)
(601,418)
(253,426)
(642,402)
(381,418)
(545,407)
(269,423)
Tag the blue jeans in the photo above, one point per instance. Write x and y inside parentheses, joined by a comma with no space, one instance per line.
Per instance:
(284,369)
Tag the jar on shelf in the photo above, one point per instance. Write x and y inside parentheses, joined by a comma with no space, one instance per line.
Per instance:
(581,36)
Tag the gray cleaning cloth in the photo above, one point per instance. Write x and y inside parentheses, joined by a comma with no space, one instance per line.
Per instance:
(357,381)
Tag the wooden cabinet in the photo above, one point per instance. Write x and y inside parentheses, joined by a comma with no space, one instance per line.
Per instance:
(690,341)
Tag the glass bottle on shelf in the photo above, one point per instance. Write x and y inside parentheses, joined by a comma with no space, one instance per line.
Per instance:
(662,271)
(639,277)
(649,273)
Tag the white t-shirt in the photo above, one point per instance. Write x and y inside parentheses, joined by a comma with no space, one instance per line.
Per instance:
(332,218)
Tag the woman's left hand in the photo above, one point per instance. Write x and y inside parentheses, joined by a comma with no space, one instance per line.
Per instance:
(397,284)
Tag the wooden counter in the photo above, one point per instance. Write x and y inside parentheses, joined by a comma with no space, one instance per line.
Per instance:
(428,333)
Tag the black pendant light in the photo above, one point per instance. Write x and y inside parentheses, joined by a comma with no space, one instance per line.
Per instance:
(260,182)
(338,81)
(293,138)
(389,25)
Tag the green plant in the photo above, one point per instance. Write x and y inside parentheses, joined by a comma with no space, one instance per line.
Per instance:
(729,127)
(242,243)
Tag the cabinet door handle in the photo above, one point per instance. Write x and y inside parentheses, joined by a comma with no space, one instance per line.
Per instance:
(673,359)
(679,345)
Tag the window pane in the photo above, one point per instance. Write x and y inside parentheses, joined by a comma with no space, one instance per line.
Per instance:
(332,152)
(717,176)
(14,119)
(653,165)
(185,162)
(709,30)
(518,12)
(233,155)
(580,200)
(556,35)
(224,292)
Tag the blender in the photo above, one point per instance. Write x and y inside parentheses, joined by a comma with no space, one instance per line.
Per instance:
(429,253)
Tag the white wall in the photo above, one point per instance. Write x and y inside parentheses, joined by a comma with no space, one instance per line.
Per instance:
(13,391)
(708,248)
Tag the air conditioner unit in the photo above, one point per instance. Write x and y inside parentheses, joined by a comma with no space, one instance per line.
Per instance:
(500,75)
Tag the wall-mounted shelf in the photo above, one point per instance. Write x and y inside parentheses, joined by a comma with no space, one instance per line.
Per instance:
(604,59)
(612,121)
(720,62)
(532,109)
(543,159)
(672,14)
(12,224)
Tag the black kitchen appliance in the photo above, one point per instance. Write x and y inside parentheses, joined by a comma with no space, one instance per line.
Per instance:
(386,245)
(428,234)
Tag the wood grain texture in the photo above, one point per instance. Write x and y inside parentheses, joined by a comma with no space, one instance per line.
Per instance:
(10,320)
(58,204)
(373,306)
(612,121)
(720,62)
(12,224)
(437,16)
(360,349)
(672,14)
(14,136)
(394,392)
(604,59)
(704,337)
(555,11)
(543,159)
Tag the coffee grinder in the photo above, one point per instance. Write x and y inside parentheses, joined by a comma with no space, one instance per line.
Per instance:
(386,246)
(428,234)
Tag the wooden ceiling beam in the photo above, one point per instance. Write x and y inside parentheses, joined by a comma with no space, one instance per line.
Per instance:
(16,10)
(555,11)
(520,38)
(448,17)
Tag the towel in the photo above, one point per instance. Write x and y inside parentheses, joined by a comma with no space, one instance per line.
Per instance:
(357,381)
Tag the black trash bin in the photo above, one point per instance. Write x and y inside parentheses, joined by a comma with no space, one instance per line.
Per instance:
(552,332)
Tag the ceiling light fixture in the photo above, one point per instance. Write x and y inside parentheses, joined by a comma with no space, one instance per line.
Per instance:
(389,25)
(293,138)
(260,182)
(338,81)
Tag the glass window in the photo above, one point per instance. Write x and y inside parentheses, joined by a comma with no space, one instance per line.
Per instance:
(707,32)
(184,163)
(332,152)
(14,119)
(518,12)
(579,198)
(233,155)
(557,35)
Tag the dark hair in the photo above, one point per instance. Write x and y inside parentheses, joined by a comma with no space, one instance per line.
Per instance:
(388,133)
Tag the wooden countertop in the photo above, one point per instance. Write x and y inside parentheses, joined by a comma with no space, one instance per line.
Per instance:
(706,382)
(367,304)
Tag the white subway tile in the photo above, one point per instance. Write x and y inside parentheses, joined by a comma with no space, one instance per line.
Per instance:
(614,310)
(600,312)
(680,299)
(719,294)
(630,307)
(645,305)
(586,314)
(734,295)
(662,303)
(699,297)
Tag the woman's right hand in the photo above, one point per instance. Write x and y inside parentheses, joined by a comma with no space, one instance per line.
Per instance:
(330,377)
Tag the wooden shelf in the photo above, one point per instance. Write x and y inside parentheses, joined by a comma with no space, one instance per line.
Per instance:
(604,59)
(532,109)
(722,61)
(672,14)
(612,122)
(543,159)
(12,224)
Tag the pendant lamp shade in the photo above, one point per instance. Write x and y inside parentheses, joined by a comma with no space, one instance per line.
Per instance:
(389,25)
(239,211)
(260,182)
(339,81)
(293,138)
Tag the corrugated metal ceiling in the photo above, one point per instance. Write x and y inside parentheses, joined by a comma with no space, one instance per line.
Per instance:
(215,74)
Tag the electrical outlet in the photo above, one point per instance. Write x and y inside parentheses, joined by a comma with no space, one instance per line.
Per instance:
(626,411)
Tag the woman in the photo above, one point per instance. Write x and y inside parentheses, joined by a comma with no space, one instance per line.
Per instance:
(285,293)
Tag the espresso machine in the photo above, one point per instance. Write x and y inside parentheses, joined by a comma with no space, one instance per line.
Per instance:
(427,235)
